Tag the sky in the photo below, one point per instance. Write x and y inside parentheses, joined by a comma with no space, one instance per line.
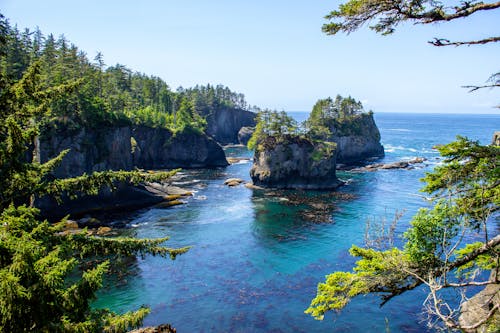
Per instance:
(275,53)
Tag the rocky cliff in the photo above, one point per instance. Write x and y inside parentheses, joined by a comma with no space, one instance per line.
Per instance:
(122,148)
(223,124)
(357,139)
(295,163)
(127,148)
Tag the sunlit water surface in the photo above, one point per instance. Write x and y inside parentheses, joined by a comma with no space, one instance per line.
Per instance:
(257,256)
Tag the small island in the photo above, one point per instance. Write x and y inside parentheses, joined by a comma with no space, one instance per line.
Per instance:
(345,122)
(286,157)
(305,157)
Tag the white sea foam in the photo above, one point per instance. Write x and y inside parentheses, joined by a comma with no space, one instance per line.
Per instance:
(399,130)
(391,149)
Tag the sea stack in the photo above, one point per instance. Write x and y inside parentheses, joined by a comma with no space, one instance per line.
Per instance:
(294,162)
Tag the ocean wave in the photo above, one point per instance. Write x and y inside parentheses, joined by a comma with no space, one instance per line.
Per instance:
(391,149)
(399,130)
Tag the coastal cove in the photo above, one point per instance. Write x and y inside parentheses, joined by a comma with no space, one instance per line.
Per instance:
(257,256)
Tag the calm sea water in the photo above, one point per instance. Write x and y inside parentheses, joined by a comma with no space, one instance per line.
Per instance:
(257,256)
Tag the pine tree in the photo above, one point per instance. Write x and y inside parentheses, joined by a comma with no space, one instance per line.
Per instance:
(38,258)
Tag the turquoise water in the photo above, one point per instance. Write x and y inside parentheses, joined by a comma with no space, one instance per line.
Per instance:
(257,256)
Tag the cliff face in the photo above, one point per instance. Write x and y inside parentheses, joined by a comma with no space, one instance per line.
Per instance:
(223,124)
(295,163)
(126,148)
(357,139)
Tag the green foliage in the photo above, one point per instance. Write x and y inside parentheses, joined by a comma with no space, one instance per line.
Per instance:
(436,253)
(43,287)
(342,117)
(431,233)
(272,123)
(323,150)
(376,271)
(470,173)
(36,259)
(387,15)
(108,96)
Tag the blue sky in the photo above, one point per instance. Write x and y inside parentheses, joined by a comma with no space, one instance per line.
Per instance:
(275,53)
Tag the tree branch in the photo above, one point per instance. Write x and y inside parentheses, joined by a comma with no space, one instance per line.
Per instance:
(465,10)
(440,271)
(474,88)
(446,42)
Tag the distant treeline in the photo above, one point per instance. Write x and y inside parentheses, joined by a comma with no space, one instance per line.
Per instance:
(109,95)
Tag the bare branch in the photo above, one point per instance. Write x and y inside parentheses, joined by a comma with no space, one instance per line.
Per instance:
(470,283)
(446,42)
(474,88)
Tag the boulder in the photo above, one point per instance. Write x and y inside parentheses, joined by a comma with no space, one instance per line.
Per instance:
(233,182)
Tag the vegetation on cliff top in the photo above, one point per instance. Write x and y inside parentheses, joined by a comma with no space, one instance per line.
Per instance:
(342,116)
(108,95)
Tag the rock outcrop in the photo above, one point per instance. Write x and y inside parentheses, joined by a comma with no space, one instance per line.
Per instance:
(409,164)
(496,139)
(293,162)
(244,134)
(127,148)
(124,197)
(123,148)
(224,124)
(478,307)
(357,139)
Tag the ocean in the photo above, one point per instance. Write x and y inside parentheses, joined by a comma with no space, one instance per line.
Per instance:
(257,257)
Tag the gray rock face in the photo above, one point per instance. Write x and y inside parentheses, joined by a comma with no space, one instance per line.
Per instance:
(126,148)
(496,139)
(224,124)
(359,140)
(477,308)
(244,134)
(295,163)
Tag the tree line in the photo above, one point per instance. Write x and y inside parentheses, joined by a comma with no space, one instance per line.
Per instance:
(340,114)
(109,95)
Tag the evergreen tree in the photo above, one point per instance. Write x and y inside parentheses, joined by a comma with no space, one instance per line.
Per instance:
(41,287)
(436,254)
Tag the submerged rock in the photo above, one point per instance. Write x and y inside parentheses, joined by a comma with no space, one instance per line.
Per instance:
(294,162)
(234,160)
